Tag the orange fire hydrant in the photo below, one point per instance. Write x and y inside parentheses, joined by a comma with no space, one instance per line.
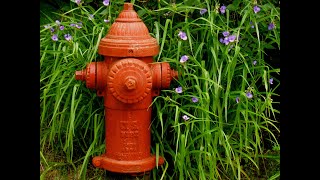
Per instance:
(128,80)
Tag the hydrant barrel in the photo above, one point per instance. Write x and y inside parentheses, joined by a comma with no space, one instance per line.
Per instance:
(127,80)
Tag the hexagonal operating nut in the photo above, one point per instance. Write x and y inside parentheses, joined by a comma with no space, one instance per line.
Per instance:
(130,83)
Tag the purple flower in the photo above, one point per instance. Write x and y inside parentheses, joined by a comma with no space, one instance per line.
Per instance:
(78,26)
(51,29)
(185,117)
(58,22)
(254,62)
(237,99)
(252,26)
(106,20)
(184,58)
(61,27)
(223,9)
(179,89)
(225,33)
(232,38)
(54,37)
(221,40)
(271,80)
(72,25)
(271,26)
(77,1)
(202,11)
(194,99)
(68,37)
(226,40)
(249,95)
(91,17)
(256,9)
(182,35)
(106,2)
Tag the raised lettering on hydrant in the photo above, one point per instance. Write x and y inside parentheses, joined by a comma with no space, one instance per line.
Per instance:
(128,80)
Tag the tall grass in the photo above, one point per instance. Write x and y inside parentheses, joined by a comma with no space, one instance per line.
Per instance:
(223,139)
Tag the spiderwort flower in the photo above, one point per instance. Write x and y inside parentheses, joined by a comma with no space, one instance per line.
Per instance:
(194,99)
(271,26)
(223,9)
(68,37)
(77,1)
(106,2)
(271,80)
(256,9)
(73,25)
(221,40)
(51,29)
(249,95)
(78,26)
(58,22)
(202,11)
(252,26)
(182,35)
(184,58)
(254,62)
(231,38)
(91,17)
(179,89)
(225,33)
(237,99)
(106,20)
(54,37)
(61,27)
(185,117)
(226,40)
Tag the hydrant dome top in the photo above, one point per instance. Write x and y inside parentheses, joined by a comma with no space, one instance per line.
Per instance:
(128,36)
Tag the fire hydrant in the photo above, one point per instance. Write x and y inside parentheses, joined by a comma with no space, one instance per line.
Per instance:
(127,79)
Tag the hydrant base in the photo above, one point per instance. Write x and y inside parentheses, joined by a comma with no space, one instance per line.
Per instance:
(123,166)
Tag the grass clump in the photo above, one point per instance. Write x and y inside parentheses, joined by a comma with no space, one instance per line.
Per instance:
(219,120)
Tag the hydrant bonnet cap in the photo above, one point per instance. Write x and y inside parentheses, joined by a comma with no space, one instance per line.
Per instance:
(128,36)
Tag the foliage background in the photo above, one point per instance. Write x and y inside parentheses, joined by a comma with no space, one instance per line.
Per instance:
(222,139)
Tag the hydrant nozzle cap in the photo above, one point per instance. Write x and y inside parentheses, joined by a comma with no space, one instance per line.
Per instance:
(174,74)
(80,75)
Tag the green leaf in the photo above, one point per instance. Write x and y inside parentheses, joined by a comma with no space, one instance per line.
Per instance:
(269,46)
(231,7)
(141,12)
(104,12)
(191,2)
(267,7)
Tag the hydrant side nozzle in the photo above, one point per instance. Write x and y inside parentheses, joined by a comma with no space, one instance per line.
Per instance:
(81,75)
(174,74)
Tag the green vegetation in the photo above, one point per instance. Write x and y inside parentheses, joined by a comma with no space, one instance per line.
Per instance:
(233,129)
